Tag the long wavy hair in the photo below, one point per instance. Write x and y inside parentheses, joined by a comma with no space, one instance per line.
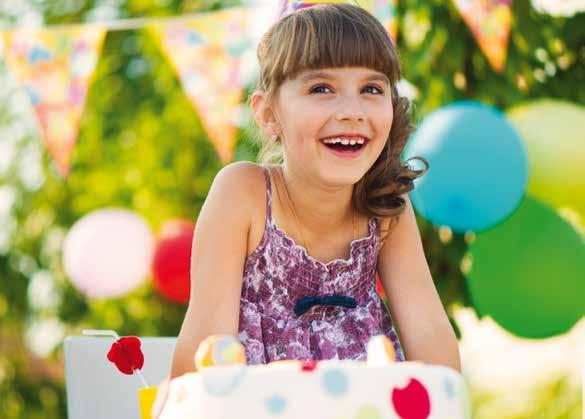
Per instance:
(342,35)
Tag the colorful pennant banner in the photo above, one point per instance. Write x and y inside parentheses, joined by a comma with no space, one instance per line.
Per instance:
(55,67)
(206,52)
(490,22)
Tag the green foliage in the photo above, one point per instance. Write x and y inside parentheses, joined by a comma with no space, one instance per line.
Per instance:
(142,146)
(441,57)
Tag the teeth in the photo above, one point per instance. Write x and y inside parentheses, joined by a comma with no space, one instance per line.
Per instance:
(344,141)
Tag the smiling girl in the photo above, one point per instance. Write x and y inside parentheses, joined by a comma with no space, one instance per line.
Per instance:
(285,252)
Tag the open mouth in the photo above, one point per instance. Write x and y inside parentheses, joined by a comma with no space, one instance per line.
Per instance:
(345,144)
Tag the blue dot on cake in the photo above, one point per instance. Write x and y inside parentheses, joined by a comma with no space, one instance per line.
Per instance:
(449,388)
(276,404)
(335,382)
(220,385)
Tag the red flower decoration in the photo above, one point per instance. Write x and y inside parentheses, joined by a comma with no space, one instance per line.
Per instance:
(125,353)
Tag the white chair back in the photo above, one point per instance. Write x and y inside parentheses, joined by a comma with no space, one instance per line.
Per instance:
(97,390)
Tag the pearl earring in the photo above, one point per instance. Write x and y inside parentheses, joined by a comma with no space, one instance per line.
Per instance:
(274,137)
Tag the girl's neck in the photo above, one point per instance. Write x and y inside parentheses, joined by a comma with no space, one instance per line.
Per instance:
(318,208)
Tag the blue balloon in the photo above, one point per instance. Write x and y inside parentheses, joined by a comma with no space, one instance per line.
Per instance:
(478,167)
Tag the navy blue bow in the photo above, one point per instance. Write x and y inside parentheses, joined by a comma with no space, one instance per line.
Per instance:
(305,303)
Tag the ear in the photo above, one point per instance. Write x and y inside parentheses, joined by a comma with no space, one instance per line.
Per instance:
(263,115)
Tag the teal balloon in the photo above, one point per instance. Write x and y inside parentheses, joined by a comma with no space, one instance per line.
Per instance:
(528,273)
(478,167)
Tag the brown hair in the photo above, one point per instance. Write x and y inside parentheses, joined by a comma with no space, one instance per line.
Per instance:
(342,35)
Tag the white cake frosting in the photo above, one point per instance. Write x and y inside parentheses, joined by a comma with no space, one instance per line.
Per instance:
(323,390)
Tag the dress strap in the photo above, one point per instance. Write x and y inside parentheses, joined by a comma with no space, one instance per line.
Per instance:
(268,195)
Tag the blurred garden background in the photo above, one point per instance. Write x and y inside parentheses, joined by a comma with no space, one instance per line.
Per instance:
(144,145)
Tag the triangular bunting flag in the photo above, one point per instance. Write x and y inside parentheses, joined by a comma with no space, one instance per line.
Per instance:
(55,67)
(490,22)
(206,52)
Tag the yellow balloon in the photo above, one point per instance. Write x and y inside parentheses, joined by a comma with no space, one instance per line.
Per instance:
(552,131)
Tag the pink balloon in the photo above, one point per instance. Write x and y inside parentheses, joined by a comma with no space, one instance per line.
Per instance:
(108,252)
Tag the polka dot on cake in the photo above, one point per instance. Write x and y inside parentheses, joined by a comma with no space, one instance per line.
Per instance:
(220,385)
(335,382)
(449,388)
(276,404)
(308,366)
(367,411)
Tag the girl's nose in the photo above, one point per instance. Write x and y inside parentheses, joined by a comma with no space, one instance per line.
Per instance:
(350,108)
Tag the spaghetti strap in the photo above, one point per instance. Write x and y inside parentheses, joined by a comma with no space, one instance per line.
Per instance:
(268,195)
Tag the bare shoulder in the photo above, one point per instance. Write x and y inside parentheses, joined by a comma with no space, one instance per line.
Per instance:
(241,173)
(239,189)
(240,181)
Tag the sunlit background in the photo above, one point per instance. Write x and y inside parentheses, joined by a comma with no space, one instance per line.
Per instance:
(111,134)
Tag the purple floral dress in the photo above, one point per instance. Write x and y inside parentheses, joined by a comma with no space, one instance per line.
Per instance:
(280,273)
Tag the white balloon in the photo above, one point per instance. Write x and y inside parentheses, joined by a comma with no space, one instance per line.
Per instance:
(108,252)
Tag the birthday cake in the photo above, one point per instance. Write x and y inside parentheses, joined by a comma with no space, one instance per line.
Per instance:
(332,389)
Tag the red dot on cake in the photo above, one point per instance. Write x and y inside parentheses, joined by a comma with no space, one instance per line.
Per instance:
(308,366)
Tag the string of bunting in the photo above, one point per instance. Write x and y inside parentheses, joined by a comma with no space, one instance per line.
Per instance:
(209,52)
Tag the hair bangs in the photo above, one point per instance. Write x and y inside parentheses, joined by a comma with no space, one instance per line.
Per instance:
(319,37)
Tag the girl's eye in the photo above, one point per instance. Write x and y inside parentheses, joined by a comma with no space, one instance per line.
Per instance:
(375,87)
(321,86)
(317,89)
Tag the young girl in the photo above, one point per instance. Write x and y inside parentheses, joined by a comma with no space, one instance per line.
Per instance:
(285,253)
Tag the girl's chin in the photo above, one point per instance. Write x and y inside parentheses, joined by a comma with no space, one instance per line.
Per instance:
(344,177)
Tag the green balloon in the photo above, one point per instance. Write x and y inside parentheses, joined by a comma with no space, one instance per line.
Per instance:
(528,273)
(554,138)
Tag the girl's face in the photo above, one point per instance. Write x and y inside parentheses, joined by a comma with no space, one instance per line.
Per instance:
(335,105)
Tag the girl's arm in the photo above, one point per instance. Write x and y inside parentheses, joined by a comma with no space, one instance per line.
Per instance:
(217,260)
(417,311)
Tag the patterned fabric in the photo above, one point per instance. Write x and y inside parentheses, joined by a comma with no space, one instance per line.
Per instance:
(279,272)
